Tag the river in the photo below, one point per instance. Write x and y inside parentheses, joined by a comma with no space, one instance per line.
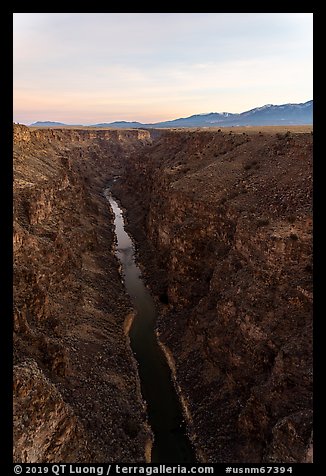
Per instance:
(171,444)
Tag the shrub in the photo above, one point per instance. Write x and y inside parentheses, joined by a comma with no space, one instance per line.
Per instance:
(263,221)
(164,299)
(248,165)
(131,427)
(308,268)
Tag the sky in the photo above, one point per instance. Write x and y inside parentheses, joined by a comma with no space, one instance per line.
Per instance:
(86,68)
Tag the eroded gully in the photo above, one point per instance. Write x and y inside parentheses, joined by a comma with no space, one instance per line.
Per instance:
(171,444)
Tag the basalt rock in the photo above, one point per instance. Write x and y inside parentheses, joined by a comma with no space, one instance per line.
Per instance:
(45,427)
(223,227)
(223,223)
(76,382)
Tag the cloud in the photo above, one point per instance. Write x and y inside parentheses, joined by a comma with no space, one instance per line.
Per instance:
(146,65)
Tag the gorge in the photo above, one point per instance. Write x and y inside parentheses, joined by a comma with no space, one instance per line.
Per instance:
(222,226)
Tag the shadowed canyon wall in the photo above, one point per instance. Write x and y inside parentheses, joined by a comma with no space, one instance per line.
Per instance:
(222,223)
(76,389)
(224,227)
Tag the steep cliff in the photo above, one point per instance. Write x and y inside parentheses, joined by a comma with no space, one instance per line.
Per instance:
(76,389)
(223,225)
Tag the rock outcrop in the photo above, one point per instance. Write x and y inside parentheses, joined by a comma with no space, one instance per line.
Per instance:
(57,435)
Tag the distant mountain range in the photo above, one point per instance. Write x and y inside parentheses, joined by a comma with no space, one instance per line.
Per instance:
(268,115)
(52,124)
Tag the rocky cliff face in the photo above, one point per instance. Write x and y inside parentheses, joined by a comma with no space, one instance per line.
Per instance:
(223,226)
(76,390)
(49,430)
(223,223)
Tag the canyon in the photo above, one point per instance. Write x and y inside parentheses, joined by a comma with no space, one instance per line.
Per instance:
(222,226)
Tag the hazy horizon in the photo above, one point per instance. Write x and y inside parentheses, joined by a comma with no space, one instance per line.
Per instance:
(150,67)
(135,120)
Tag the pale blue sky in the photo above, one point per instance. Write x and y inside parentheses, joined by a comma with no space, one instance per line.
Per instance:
(88,67)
